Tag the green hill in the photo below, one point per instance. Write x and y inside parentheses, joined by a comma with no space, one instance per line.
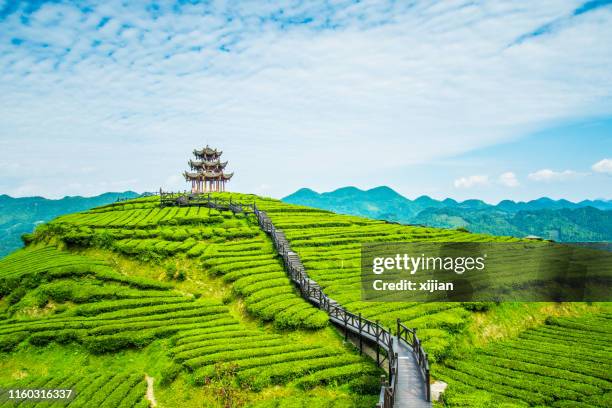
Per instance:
(21,215)
(565,225)
(561,220)
(198,300)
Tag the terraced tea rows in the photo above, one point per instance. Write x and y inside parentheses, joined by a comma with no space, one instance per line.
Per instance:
(108,312)
(265,359)
(228,245)
(330,248)
(117,390)
(566,363)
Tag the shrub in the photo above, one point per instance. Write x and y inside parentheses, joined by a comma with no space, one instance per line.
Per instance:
(365,385)
(10,341)
(170,271)
(169,374)
(16,295)
(27,239)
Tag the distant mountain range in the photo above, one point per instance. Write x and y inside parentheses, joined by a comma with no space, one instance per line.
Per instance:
(561,220)
(21,215)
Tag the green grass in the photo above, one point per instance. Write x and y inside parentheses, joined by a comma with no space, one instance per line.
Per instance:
(62,299)
(199,299)
(566,362)
(225,245)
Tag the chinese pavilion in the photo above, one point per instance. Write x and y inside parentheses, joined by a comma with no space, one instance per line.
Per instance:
(207,171)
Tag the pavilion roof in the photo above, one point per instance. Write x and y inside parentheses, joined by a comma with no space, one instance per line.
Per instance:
(207,152)
(198,164)
(207,175)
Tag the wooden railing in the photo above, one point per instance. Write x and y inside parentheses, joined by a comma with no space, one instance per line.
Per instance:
(167,199)
(366,330)
(410,337)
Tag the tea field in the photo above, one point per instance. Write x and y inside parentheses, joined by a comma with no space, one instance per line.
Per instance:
(54,297)
(565,363)
(198,300)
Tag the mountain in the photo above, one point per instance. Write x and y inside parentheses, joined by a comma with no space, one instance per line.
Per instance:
(568,225)
(371,203)
(21,215)
(562,220)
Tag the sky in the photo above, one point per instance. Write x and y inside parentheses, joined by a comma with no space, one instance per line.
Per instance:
(488,100)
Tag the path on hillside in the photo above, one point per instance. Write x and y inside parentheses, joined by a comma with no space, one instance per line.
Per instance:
(407,386)
(410,390)
(150,393)
(408,366)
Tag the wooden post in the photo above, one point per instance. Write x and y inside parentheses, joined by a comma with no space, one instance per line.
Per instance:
(377,346)
(345,325)
(360,338)
(398,330)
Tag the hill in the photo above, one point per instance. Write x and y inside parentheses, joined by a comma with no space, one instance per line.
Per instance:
(21,215)
(561,220)
(198,300)
(189,296)
(564,225)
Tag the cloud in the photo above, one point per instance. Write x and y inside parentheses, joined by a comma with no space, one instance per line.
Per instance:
(557,23)
(508,179)
(603,166)
(471,181)
(271,83)
(547,175)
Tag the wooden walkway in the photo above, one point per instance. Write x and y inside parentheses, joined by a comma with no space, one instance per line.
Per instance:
(410,390)
(407,385)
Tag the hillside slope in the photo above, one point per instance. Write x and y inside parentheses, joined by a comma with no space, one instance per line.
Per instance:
(21,215)
(561,220)
(197,299)
(185,299)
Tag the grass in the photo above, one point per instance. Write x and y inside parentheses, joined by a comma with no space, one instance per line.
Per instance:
(563,363)
(104,307)
(127,269)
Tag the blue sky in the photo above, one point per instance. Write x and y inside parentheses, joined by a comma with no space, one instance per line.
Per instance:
(470,99)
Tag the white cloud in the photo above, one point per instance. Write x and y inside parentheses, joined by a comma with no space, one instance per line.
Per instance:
(471,181)
(603,166)
(508,179)
(547,175)
(273,94)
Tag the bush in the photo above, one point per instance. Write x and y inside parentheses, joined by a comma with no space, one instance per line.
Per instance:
(365,385)
(103,239)
(477,306)
(27,239)
(169,374)
(170,271)
(9,342)
(16,295)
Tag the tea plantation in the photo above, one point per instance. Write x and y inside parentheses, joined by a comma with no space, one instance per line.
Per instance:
(198,300)
(566,363)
